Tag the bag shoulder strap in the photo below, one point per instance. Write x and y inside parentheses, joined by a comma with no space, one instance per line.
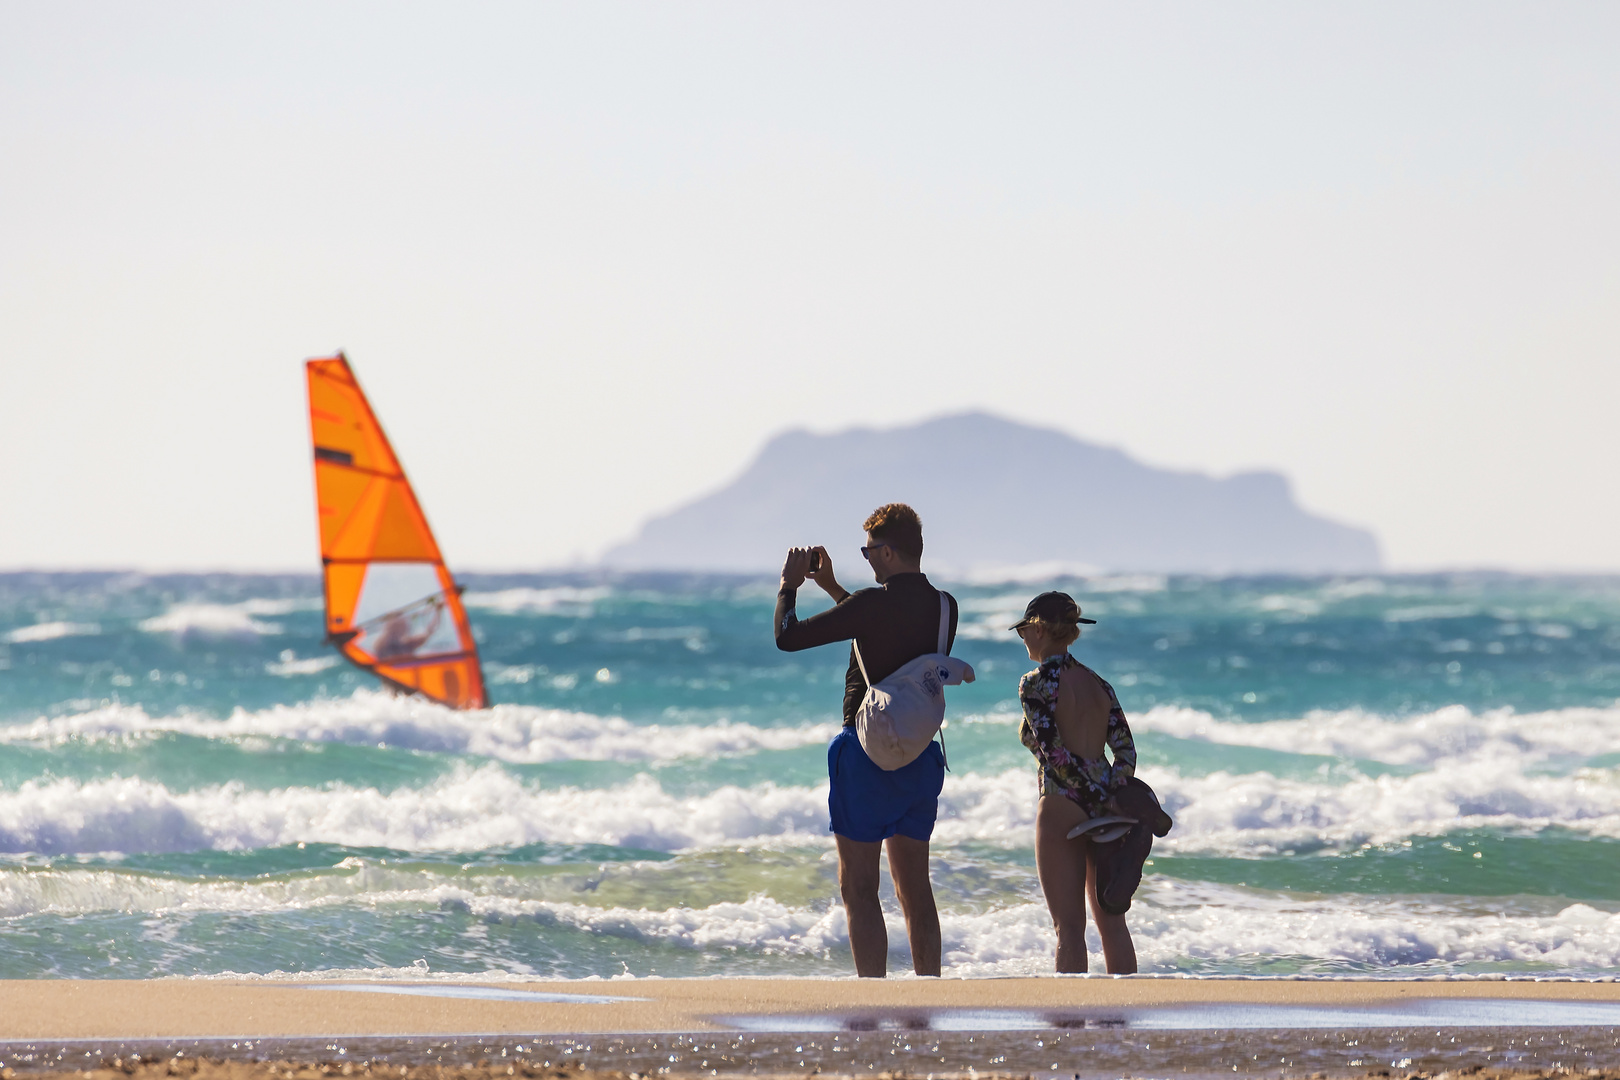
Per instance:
(861,663)
(944,632)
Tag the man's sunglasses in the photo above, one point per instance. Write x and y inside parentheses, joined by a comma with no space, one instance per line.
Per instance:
(866,552)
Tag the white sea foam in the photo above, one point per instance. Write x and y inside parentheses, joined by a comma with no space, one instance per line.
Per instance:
(1426,612)
(1177,925)
(518,733)
(1354,588)
(558,600)
(1017,573)
(1190,926)
(225,620)
(759,924)
(1283,603)
(289,665)
(1454,733)
(532,734)
(1248,815)
(1497,771)
(49,631)
(986,618)
(1258,814)
(469,811)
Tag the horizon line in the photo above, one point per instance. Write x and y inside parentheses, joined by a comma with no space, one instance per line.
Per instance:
(948,573)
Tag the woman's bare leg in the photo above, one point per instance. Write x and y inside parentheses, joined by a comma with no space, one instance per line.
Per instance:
(1061,863)
(1119,951)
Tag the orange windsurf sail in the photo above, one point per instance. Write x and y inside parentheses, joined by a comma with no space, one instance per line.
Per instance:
(391,606)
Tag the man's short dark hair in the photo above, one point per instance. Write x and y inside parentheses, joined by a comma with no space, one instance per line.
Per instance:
(897,525)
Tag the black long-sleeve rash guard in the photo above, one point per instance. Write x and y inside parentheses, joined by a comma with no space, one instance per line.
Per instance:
(893,624)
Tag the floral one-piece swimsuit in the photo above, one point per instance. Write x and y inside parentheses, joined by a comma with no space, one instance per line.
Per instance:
(1085,781)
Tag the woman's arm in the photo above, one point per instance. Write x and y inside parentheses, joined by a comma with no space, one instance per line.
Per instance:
(1122,745)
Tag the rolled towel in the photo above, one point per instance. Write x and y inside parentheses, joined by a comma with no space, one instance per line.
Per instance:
(1119,861)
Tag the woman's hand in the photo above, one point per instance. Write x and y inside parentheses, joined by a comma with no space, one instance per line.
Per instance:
(823,574)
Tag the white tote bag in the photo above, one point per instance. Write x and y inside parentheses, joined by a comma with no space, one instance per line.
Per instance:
(900,716)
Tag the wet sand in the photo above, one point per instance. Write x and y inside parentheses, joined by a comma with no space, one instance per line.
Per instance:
(175,1008)
(288,1070)
(1081,1027)
(125,1068)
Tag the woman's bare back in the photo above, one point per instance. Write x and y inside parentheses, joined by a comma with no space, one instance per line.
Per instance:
(1082,713)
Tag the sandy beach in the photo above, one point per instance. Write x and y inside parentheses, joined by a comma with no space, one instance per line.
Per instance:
(288,1070)
(187,1008)
(1051,1026)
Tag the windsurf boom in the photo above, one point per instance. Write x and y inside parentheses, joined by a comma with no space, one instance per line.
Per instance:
(391,606)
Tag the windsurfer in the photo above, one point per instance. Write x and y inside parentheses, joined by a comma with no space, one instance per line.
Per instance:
(398,637)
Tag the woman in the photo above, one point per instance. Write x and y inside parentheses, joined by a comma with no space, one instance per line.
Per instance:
(1069,714)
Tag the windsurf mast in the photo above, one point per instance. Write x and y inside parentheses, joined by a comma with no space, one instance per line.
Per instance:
(392,607)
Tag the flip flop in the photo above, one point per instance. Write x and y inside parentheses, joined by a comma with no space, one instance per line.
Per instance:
(1103,830)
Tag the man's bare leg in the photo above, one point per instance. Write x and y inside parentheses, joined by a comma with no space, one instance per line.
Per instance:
(908,866)
(858,885)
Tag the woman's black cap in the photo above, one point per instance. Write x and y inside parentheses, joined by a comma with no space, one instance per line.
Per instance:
(1052,607)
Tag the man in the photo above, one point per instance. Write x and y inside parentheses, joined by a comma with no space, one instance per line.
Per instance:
(871,808)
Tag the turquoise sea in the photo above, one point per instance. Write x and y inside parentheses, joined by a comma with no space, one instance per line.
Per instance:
(1398,775)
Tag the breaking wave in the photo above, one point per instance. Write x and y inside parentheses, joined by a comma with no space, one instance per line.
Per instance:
(1453,733)
(1178,926)
(1191,927)
(559,600)
(522,734)
(48,631)
(224,620)
(472,809)
(476,809)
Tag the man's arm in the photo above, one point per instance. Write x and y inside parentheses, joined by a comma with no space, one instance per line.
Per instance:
(839,623)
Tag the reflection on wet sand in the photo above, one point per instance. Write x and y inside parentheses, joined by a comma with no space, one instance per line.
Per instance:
(1213,1016)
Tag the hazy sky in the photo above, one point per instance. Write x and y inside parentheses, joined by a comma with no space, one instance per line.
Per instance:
(587,257)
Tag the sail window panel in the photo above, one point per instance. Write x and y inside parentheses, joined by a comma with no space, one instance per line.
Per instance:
(390,587)
(424,629)
(404,612)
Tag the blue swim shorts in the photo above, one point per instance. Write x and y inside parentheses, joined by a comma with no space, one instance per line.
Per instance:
(869,804)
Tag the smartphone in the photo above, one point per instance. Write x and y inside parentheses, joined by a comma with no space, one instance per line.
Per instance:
(815,560)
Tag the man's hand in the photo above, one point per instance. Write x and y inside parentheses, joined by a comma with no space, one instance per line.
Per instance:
(823,575)
(795,567)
